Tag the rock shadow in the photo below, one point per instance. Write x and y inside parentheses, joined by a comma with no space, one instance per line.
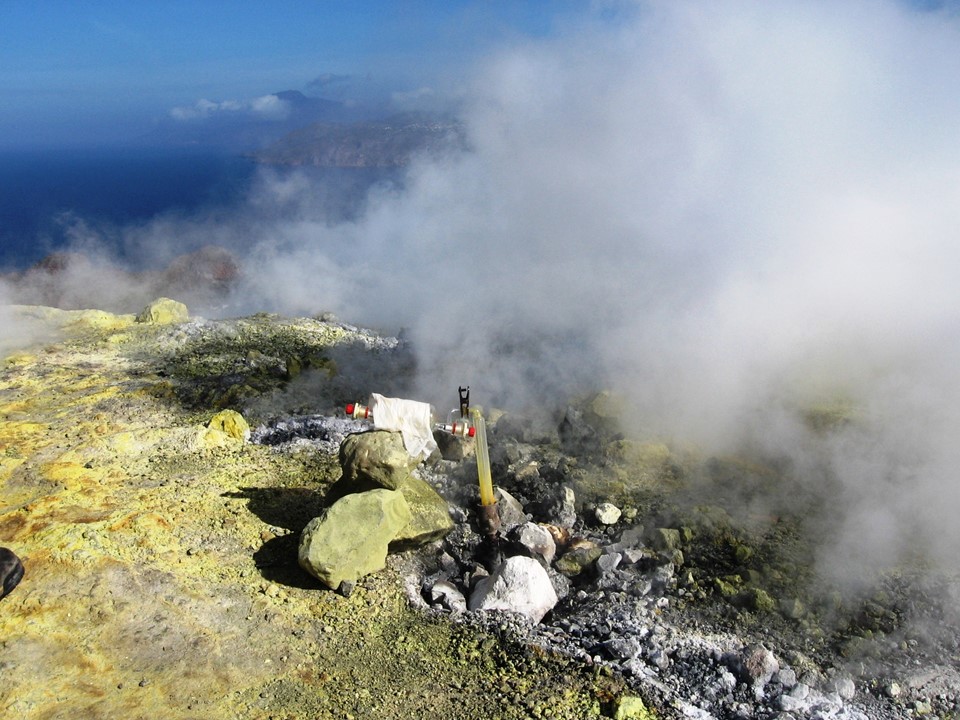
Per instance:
(291,509)
(277,562)
(288,508)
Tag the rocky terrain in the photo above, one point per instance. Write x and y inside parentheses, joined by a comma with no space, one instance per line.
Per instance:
(159,536)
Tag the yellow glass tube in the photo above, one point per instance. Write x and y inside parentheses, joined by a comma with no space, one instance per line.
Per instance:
(483,459)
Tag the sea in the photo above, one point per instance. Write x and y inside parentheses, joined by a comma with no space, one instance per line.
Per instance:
(43,191)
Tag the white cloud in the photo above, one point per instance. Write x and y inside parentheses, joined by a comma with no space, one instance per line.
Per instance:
(265,107)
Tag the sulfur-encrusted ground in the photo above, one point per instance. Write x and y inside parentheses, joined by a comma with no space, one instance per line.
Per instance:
(161,577)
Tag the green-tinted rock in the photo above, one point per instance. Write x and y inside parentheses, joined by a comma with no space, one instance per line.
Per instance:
(631,707)
(430,516)
(726,589)
(758,600)
(163,311)
(665,539)
(375,459)
(351,538)
(792,608)
(581,555)
(743,553)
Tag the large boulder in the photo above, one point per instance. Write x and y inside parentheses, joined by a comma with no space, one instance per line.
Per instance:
(519,585)
(376,459)
(164,311)
(231,423)
(429,514)
(352,536)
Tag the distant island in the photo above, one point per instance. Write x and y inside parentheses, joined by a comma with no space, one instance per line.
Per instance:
(366,144)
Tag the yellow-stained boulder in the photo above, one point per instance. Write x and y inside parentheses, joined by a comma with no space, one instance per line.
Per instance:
(231,423)
(164,311)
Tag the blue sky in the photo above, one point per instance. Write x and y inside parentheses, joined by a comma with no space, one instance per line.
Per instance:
(93,71)
(104,71)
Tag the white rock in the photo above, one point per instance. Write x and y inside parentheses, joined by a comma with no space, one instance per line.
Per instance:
(446,593)
(843,686)
(607,513)
(519,585)
(538,540)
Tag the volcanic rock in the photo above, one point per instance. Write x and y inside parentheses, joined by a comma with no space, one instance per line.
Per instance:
(588,426)
(562,509)
(446,594)
(231,423)
(351,538)
(665,539)
(453,447)
(375,459)
(755,665)
(843,686)
(632,708)
(607,513)
(11,571)
(510,509)
(164,311)
(580,555)
(519,585)
(535,540)
(429,515)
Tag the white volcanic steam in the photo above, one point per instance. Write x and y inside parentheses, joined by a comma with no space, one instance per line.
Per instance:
(726,212)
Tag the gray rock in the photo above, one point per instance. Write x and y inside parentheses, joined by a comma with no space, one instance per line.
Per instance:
(755,665)
(351,538)
(791,608)
(631,556)
(608,562)
(562,509)
(374,459)
(788,703)
(630,539)
(520,585)
(453,447)
(641,587)
(510,509)
(622,648)
(589,425)
(787,677)
(728,681)
(11,571)
(561,583)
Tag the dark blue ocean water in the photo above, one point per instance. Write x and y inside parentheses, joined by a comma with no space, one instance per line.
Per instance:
(41,191)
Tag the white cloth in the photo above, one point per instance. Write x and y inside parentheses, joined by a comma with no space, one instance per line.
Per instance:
(412,419)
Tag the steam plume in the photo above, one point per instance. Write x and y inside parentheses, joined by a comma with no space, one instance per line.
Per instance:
(726,211)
